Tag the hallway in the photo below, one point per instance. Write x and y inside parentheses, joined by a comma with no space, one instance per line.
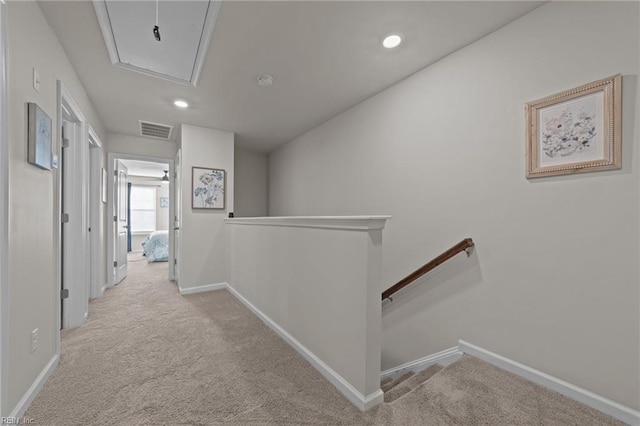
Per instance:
(150,356)
(147,355)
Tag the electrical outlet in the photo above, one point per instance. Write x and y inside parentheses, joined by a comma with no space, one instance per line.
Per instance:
(35,335)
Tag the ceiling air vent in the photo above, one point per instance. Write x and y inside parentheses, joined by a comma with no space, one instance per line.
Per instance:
(155,130)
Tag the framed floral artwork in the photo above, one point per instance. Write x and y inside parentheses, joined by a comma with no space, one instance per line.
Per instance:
(207,188)
(578,130)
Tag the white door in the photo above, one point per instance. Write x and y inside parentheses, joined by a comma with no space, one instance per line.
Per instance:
(121,224)
(75,256)
(177,205)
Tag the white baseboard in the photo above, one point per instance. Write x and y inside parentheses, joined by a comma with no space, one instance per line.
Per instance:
(351,393)
(34,389)
(355,397)
(444,358)
(202,288)
(588,398)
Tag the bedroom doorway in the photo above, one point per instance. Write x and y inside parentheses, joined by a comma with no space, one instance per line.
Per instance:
(148,208)
(141,206)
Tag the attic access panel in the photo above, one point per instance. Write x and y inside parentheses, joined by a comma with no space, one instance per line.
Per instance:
(185,29)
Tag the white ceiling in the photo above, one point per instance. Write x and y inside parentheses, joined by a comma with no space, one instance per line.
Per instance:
(325,57)
(145,168)
(184,28)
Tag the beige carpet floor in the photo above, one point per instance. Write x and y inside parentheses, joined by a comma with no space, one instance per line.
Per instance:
(150,356)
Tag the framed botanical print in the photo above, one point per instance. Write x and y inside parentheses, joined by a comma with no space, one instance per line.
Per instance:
(578,130)
(207,188)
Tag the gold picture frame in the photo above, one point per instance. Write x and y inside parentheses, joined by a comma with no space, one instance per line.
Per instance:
(575,131)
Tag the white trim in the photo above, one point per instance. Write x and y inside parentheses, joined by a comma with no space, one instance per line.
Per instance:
(93,137)
(139,233)
(205,40)
(576,393)
(444,358)
(203,288)
(175,218)
(351,393)
(58,267)
(211,17)
(109,214)
(35,388)
(4,214)
(105,26)
(96,209)
(353,223)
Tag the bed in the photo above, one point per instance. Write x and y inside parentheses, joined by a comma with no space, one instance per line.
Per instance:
(156,246)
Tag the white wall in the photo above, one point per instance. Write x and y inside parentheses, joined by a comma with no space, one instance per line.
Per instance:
(205,239)
(251,184)
(133,145)
(162,213)
(554,280)
(33,198)
(294,270)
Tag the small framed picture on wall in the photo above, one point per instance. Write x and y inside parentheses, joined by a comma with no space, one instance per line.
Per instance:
(578,130)
(39,137)
(208,188)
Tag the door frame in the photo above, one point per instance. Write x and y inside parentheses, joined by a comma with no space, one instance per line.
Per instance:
(66,101)
(111,158)
(4,213)
(96,215)
(175,223)
(121,219)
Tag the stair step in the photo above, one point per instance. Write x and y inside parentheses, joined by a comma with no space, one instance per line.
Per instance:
(395,382)
(411,383)
(385,381)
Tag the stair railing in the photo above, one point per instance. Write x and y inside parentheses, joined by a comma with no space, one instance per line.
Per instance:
(465,245)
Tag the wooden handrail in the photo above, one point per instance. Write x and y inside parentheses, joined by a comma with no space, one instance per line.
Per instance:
(463,245)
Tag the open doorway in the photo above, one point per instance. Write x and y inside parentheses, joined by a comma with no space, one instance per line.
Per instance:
(148,210)
(142,206)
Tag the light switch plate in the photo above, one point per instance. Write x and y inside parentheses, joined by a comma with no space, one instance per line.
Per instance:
(36,80)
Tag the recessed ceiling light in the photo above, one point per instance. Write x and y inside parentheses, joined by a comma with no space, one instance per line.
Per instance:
(265,80)
(180,104)
(392,41)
